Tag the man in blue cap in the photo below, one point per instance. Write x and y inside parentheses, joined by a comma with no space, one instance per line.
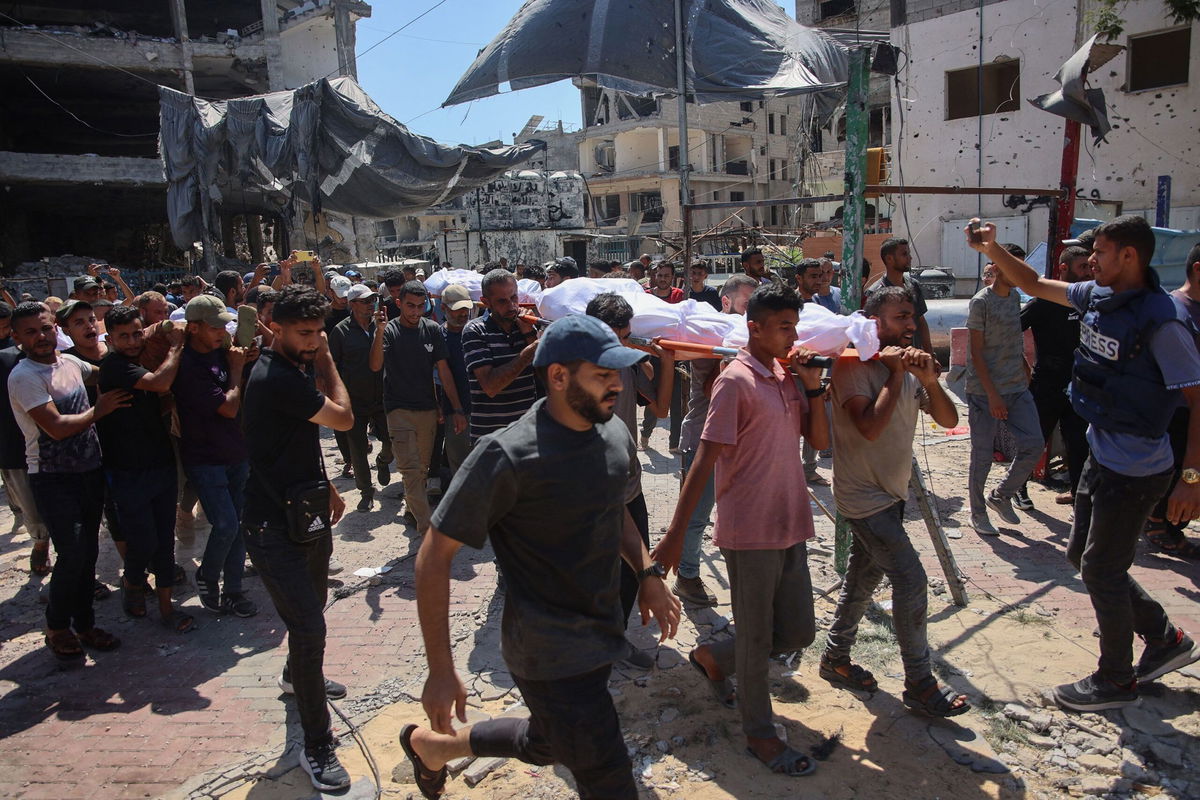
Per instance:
(549,491)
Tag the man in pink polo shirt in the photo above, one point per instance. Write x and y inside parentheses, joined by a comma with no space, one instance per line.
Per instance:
(756,419)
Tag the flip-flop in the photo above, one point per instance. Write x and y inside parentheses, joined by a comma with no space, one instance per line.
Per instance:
(788,763)
(179,621)
(857,679)
(722,690)
(431,784)
(935,700)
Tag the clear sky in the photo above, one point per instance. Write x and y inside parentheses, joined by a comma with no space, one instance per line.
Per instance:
(413,72)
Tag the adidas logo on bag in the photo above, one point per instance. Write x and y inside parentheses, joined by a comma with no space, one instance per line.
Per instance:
(318,523)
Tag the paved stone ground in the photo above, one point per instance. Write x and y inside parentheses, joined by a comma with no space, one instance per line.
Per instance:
(193,715)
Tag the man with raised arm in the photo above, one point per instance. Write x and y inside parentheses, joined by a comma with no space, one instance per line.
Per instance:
(1135,364)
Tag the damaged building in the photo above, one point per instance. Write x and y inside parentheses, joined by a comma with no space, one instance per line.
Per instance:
(79,164)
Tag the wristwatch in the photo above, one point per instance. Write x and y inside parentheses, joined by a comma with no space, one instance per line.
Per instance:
(1190,476)
(656,569)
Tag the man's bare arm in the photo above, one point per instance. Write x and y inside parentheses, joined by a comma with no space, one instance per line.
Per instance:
(494,380)
(1016,271)
(444,691)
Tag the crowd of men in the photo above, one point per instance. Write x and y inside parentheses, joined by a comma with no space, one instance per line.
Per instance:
(216,394)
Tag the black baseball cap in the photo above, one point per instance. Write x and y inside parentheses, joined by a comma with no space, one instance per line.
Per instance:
(583,338)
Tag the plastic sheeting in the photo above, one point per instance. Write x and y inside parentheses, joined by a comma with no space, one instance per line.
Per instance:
(736,50)
(699,323)
(326,143)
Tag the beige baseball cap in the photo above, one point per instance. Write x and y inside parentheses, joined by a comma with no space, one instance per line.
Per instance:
(456,296)
(209,310)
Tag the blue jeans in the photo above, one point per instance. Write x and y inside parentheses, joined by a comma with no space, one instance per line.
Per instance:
(145,501)
(693,539)
(1027,432)
(220,488)
(882,547)
(71,504)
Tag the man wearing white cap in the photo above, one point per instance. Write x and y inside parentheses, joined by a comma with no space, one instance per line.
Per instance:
(456,307)
(339,306)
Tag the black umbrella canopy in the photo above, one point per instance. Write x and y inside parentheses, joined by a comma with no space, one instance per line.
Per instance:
(736,50)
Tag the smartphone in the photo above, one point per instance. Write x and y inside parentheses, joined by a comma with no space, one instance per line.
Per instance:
(973,234)
(376,304)
(247,325)
(304,255)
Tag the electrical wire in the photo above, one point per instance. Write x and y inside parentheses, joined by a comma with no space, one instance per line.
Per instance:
(84,122)
(356,734)
(390,35)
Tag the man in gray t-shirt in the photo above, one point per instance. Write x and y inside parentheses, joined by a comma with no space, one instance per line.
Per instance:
(875,406)
(998,390)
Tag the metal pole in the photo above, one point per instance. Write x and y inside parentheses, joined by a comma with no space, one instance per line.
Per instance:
(853,210)
(681,87)
(1062,213)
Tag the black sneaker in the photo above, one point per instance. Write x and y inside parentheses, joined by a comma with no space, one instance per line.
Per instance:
(1159,659)
(1095,693)
(237,603)
(383,473)
(210,594)
(365,501)
(1021,499)
(323,768)
(333,689)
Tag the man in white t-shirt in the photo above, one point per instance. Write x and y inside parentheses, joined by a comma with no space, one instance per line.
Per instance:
(62,453)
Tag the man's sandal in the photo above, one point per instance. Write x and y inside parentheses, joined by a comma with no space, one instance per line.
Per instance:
(849,675)
(133,600)
(722,690)
(64,644)
(431,783)
(1170,539)
(790,762)
(179,621)
(936,701)
(39,561)
(99,639)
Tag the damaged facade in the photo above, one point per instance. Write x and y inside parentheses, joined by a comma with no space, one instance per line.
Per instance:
(1152,90)
(79,161)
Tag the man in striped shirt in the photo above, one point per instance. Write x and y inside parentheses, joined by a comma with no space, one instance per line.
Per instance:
(498,351)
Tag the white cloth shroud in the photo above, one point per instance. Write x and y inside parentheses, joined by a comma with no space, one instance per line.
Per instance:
(819,328)
(528,291)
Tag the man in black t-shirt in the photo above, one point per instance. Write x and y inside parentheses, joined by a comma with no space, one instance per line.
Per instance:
(549,492)
(293,389)
(140,464)
(408,350)
(697,288)
(1055,337)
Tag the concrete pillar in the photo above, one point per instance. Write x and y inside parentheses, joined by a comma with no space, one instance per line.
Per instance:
(179,18)
(254,237)
(343,33)
(270,20)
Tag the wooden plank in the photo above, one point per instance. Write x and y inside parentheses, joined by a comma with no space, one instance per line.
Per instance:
(954,579)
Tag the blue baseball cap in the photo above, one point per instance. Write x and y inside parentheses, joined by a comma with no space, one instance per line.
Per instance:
(583,338)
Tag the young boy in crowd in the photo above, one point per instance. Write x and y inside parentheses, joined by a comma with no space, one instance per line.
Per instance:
(757,417)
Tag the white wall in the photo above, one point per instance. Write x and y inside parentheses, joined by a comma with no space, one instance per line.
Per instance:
(1024,148)
(309,51)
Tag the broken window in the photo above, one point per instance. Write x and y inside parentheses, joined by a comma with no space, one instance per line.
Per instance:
(771,170)
(747,106)
(649,203)
(770,123)
(783,124)
(737,197)
(1000,82)
(673,157)
(835,8)
(1157,60)
(783,170)
(608,209)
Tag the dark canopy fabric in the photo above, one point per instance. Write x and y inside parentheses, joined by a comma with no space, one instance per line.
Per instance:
(737,50)
(326,143)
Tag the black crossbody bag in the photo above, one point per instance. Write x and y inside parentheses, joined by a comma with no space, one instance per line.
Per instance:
(306,506)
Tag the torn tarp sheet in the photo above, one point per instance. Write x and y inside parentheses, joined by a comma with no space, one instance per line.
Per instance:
(326,143)
(736,50)
(1074,100)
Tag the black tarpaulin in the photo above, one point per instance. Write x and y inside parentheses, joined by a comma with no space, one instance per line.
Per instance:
(326,143)
(736,50)
(1074,100)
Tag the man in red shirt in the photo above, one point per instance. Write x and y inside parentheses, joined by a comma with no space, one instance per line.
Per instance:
(662,285)
(757,416)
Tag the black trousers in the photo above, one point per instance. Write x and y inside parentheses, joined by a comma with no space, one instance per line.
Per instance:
(297,578)
(70,504)
(1110,512)
(366,421)
(573,722)
(1054,409)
